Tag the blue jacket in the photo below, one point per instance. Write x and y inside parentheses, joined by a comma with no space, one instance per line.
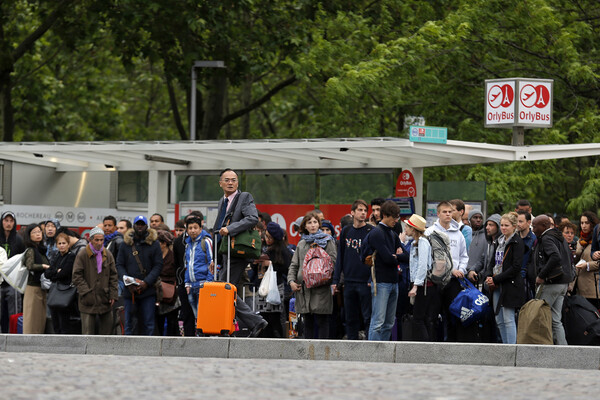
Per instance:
(197,260)
(150,256)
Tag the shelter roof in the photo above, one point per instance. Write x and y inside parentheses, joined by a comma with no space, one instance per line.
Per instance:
(277,154)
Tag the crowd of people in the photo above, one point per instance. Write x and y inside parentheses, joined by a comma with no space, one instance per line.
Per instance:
(141,277)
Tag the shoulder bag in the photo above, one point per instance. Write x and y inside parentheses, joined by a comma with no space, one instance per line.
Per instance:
(157,284)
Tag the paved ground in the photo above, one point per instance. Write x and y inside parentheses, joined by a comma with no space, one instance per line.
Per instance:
(51,376)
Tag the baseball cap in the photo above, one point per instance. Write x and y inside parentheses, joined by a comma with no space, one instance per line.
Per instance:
(140,218)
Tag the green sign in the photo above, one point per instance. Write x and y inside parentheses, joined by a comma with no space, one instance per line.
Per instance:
(428,134)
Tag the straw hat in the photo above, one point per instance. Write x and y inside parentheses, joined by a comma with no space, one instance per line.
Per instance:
(417,222)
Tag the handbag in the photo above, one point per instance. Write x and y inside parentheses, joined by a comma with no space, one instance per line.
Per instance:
(169,293)
(45,283)
(61,295)
(470,304)
(246,244)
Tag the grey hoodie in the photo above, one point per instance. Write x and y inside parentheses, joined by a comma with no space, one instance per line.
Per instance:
(480,263)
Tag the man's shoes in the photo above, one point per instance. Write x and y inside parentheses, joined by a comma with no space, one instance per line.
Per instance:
(258,328)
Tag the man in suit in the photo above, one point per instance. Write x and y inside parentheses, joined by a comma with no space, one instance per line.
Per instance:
(237,214)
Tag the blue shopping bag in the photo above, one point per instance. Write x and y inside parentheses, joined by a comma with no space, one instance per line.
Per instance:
(470,304)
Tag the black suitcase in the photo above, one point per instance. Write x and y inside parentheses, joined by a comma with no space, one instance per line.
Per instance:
(581,321)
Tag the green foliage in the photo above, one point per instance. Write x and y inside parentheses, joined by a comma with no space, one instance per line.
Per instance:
(312,69)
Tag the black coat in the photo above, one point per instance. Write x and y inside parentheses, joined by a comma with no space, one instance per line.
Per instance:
(150,256)
(64,263)
(551,254)
(509,281)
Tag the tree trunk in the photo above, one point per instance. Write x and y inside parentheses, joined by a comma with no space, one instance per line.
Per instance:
(213,116)
(7,109)
(175,109)
(246,99)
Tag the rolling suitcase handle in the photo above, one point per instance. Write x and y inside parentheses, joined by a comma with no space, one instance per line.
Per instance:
(216,278)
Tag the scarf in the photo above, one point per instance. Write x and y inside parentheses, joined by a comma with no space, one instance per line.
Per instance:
(502,241)
(108,238)
(320,238)
(98,254)
(585,238)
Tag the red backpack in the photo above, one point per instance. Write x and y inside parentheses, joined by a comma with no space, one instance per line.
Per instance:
(317,269)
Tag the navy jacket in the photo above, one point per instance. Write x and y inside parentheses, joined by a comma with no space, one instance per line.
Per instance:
(385,241)
(150,256)
(348,259)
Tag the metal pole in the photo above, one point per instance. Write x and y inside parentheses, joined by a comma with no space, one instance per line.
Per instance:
(518,138)
(193,106)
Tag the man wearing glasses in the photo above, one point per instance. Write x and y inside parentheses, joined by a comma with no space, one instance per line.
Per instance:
(237,213)
(384,290)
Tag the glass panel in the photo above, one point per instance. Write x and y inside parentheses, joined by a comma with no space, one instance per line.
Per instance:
(133,186)
(345,188)
(465,190)
(198,188)
(282,188)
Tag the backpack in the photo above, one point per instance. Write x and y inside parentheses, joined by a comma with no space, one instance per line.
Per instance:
(317,269)
(441,259)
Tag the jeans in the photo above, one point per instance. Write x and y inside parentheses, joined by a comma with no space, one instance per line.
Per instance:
(193,299)
(144,308)
(554,294)
(357,302)
(505,319)
(383,311)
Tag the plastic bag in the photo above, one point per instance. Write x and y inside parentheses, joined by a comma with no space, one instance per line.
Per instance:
(263,289)
(15,273)
(273,296)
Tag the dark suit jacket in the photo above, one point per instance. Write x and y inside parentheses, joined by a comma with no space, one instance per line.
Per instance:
(242,213)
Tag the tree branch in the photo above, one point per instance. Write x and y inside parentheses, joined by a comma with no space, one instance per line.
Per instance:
(28,42)
(259,102)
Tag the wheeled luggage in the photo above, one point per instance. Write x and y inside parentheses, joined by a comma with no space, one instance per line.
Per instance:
(535,322)
(216,304)
(15,323)
(579,318)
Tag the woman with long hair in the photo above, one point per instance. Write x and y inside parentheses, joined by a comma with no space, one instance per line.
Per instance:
(280,256)
(506,283)
(315,304)
(34,301)
(586,268)
(427,295)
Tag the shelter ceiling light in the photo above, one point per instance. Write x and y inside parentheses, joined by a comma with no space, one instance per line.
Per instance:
(168,160)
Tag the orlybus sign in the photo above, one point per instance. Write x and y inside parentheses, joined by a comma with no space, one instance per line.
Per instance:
(518,102)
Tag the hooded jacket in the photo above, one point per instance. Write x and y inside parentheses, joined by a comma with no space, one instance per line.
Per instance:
(150,256)
(458,246)
(13,244)
(197,260)
(480,264)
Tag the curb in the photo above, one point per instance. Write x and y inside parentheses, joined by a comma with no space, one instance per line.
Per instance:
(537,356)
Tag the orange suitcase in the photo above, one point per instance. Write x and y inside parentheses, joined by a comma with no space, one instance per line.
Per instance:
(216,307)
